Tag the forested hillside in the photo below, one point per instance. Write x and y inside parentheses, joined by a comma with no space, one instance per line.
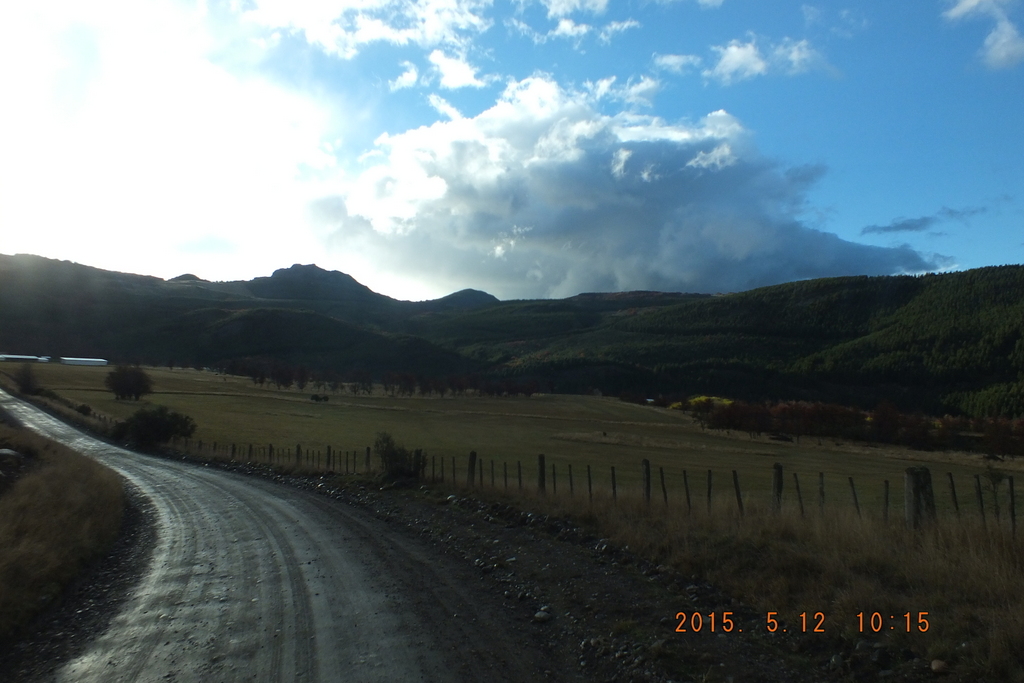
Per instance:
(942,343)
(939,343)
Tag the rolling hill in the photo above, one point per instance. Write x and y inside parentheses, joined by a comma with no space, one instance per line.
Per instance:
(949,342)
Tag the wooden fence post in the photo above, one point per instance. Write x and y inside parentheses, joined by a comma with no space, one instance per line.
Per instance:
(615,493)
(433,468)
(481,470)
(1013,509)
(646,464)
(590,486)
(821,492)
(995,501)
(298,454)
(492,473)
(709,492)
(505,466)
(442,470)
(571,492)
(799,497)
(664,491)
(918,497)
(519,468)
(981,500)
(777,487)
(853,491)
(471,472)
(368,459)
(541,473)
(736,485)
(686,488)
(455,477)
(885,504)
(952,492)
(554,480)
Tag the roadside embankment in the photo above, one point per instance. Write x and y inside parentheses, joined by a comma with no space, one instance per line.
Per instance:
(60,511)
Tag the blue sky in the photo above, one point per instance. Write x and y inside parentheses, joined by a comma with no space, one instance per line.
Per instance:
(530,149)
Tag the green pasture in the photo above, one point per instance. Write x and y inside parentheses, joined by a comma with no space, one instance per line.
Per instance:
(570,430)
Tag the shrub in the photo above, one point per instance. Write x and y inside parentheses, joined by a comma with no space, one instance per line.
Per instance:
(397,461)
(129,382)
(149,427)
(26,379)
(84,410)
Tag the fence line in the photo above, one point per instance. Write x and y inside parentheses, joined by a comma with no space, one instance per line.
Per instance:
(920,508)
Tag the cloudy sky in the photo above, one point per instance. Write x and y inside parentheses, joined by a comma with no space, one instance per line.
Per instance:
(532,148)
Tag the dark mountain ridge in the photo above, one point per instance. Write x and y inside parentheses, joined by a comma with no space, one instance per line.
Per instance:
(939,342)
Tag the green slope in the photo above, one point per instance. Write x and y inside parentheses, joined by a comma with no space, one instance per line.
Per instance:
(948,342)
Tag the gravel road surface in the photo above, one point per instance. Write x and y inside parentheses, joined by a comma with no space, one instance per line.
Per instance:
(253,580)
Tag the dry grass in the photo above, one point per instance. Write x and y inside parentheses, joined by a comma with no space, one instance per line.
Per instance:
(53,520)
(577,430)
(969,580)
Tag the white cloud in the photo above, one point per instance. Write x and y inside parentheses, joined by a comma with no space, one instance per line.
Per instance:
(613,202)
(812,14)
(562,8)
(611,29)
(710,3)
(640,92)
(963,8)
(525,29)
(567,28)
(1004,46)
(443,106)
(407,79)
(455,72)
(676,63)
(717,159)
(736,62)
(796,56)
(619,159)
(344,27)
(601,89)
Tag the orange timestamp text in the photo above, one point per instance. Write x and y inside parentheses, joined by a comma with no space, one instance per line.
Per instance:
(806,622)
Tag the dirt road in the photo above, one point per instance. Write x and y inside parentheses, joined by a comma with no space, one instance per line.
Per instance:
(252,580)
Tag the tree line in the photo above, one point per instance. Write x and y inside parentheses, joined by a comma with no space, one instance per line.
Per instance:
(995,436)
(361,381)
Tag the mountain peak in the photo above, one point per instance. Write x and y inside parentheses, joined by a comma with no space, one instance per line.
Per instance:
(468,298)
(310,282)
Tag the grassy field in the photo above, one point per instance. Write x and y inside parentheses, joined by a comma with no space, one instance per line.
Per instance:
(62,513)
(968,578)
(570,430)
